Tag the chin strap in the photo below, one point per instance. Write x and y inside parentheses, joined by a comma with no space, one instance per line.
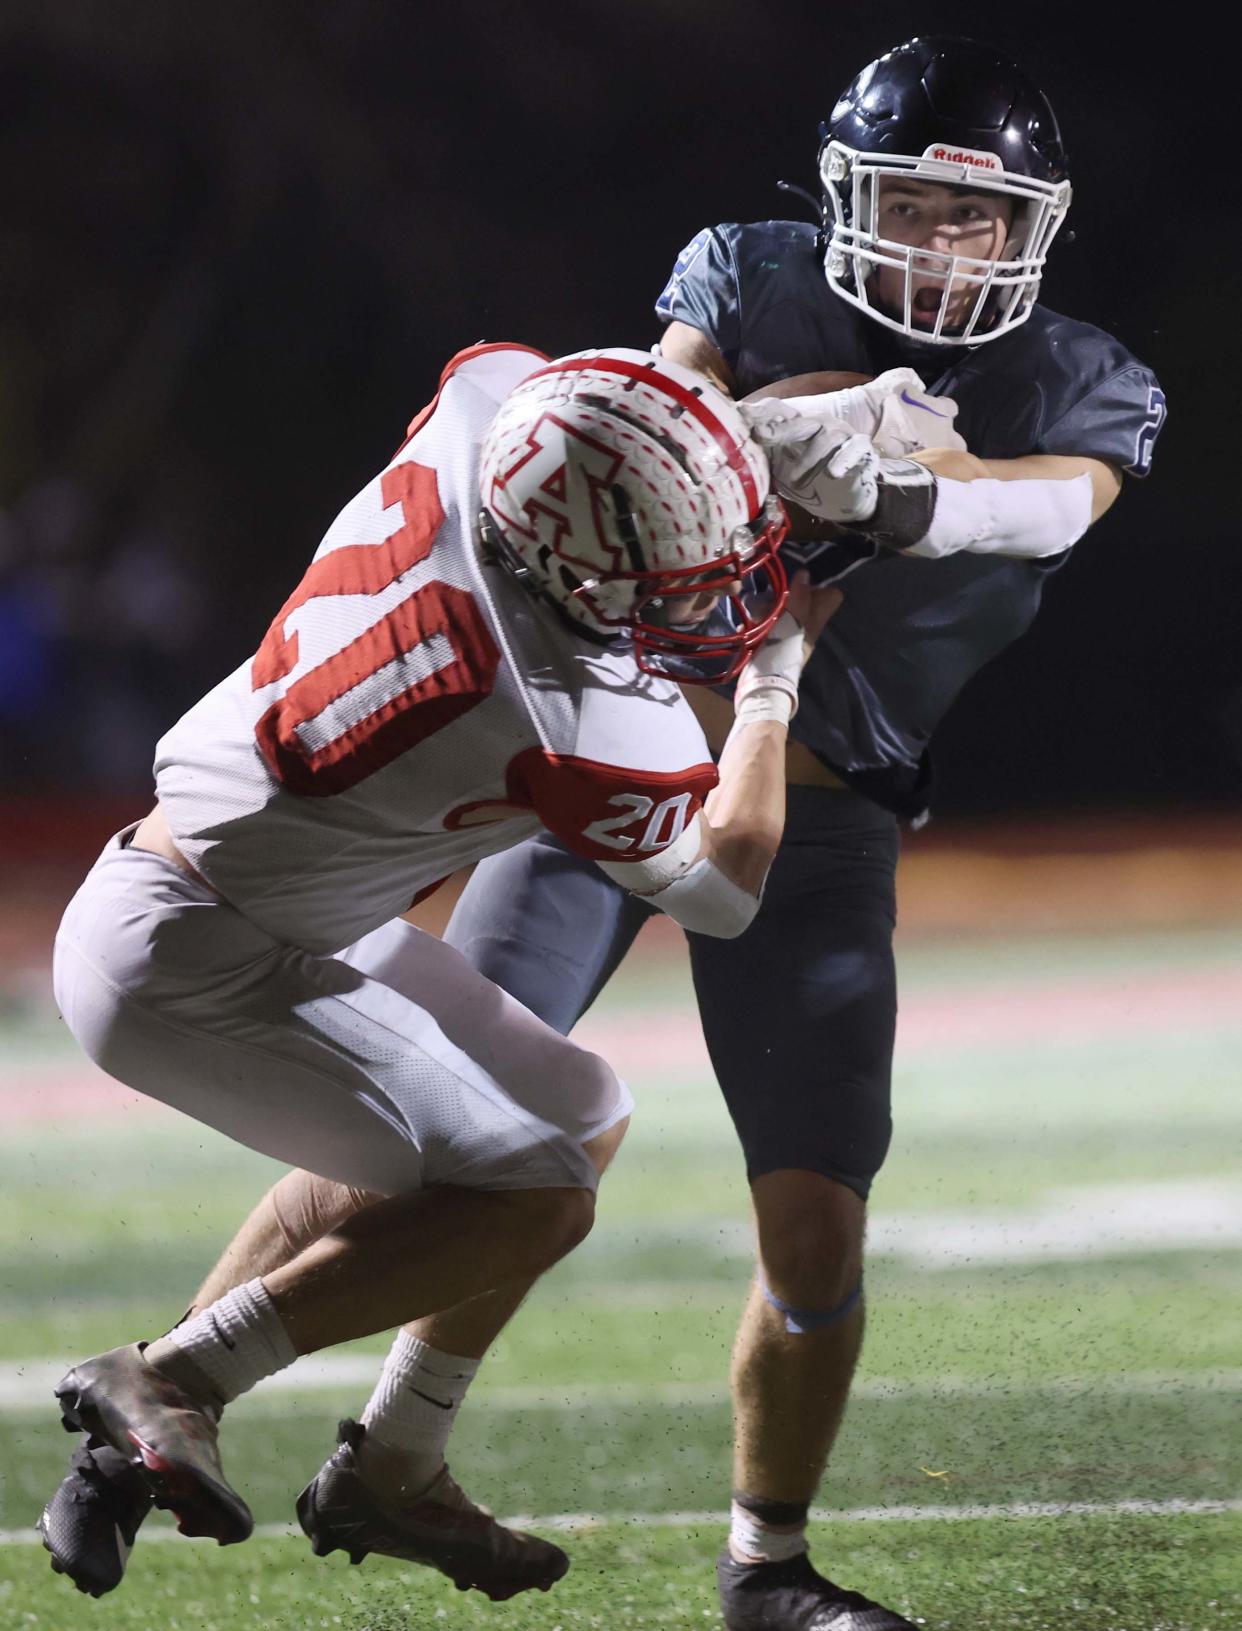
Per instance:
(819,208)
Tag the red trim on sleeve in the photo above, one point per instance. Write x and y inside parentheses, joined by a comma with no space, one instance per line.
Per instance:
(450,368)
(606,812)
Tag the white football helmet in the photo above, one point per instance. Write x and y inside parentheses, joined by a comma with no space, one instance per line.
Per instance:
(620,487)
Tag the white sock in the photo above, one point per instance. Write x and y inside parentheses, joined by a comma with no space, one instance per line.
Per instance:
(753,1542)
(237,1341)
(411,1413)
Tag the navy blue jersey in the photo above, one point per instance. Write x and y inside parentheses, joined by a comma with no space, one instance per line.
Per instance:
(911,632)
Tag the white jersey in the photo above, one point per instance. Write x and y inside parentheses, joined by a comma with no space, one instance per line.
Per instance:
(412,710)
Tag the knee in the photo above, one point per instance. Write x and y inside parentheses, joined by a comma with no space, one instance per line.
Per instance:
(576,1219)
(810,1236)
(549,1223)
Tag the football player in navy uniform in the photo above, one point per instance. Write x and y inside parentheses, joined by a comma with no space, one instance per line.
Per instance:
(944,184)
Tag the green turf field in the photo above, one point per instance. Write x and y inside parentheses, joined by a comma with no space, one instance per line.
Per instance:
(1047,1430)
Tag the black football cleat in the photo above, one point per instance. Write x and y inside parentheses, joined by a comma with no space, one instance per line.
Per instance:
(791,1596)
(92,1520)
(440,1527)
(165,1433)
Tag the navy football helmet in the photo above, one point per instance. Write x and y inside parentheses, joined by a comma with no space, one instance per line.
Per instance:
(959,114)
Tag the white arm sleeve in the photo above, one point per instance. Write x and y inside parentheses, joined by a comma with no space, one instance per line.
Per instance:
(694,893)
(1024,518)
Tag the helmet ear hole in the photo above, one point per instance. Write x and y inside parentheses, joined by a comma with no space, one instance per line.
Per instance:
(628,531)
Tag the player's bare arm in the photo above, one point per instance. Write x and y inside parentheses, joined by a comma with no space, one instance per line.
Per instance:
(683,344)
(865,407)
(744,817)
(854,458)
(711,878)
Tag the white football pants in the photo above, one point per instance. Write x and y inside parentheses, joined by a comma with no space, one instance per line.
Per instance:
(390,1066)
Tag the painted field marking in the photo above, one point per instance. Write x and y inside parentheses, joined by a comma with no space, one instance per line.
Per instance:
(1072,1223)
(28,1384)
(891,1514)
(1067,1224)
(1077,1221)
(717,1520)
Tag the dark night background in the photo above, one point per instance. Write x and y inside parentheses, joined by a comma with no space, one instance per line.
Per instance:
(239,242)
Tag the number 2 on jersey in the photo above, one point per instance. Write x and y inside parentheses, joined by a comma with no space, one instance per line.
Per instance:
(425,662)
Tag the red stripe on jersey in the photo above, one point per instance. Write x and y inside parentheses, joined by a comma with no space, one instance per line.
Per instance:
(359,569)
(360,746)
(608,812)
(693,405)
(450,368)
(425,706)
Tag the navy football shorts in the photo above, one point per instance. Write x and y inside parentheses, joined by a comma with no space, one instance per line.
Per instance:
(799,1012)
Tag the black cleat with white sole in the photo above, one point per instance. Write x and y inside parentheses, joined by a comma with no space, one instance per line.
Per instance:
(92,1520)
(791,1596)
(440,1527)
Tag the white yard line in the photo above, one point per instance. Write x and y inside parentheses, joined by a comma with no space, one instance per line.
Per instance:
(161,1531)
(1078,1221)
(1069,1224)
(28,1383)
(891,1514)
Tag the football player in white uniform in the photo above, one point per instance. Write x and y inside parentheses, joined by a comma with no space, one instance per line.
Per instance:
(481,647)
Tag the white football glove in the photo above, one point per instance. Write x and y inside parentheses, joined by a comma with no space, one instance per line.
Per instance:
(825,466)
(894,411)
(911,418)
(817,461)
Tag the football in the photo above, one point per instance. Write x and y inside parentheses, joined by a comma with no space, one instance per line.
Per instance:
(810,384)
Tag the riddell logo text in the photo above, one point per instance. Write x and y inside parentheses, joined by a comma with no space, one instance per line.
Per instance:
(964,155)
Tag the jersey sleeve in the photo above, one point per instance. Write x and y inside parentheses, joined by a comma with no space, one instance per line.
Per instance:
(607,812)
(702,291)
(492,368)
(1117,420)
